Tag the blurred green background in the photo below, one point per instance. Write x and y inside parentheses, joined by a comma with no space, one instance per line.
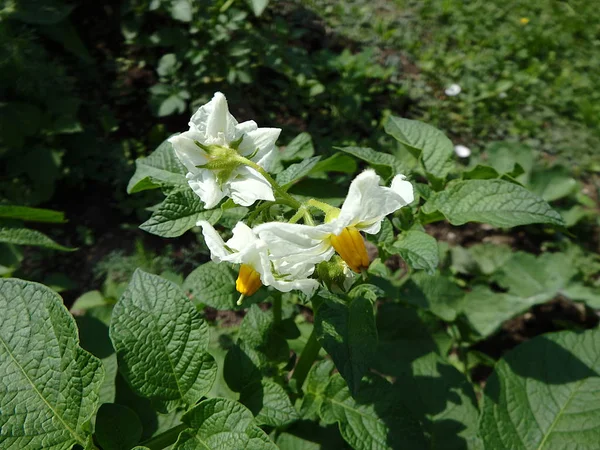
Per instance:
(88,87)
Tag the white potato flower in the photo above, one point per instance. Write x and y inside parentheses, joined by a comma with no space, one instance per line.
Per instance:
(453,90)
(365,207)
(257,267)
(462,151)
(215,135)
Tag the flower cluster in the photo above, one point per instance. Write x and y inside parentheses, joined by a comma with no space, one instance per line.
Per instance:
(225,158)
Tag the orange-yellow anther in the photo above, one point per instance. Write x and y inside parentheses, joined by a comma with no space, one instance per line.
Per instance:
(351,247)
(248,281)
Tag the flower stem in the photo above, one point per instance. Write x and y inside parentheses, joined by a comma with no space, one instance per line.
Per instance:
(307,358)
(276,309)
(165,439)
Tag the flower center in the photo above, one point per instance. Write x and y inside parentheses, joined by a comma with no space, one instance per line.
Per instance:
(351,247)
(248,281)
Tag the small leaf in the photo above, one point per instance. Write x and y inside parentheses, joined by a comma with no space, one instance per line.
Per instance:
(314,387)
(434,148)
(117,427)
(162,166)
(220,423)
(269,403)
(49,385)
(25,236)
(544,395)
(348,333)
(300,148)
(296,171)
(418,249)
(385,164)
(497,202)
(336,163)
(212,284)
(176,368)
(436,293)
(258,6)
(31,214)
(178,213)
(512,158)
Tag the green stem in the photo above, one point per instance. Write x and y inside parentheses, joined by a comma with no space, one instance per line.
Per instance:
(307,358)
(165,439)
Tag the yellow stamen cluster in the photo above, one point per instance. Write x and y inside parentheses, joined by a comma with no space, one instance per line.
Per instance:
(248,281)
(351,247)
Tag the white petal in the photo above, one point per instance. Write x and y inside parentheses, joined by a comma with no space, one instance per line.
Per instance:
(245,127)
(247,186)
(404,189)
(215,244)
(295,245)
(243,236)
(187,151)
(214,120)
(262,139)
(205,185)
(368,203)
(306,285)
(453,90)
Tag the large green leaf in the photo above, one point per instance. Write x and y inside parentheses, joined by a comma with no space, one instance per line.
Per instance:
(49,385)
(212,284)
(314,387)
(117,427)
(552,184)
(436,293)
(178,213)
(161,342)
(497,202)
(269,403)
(545,395)
(162,166)
(25,236)
(220,423)
(385,164)
(348,333)
(443,400)
(31,214)
(434,148)
(418,249)
(374,419)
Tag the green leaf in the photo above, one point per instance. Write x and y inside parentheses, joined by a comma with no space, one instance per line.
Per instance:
(497,202)
(443,400)
(41,12)
(182,10)
(212,284)
(512,158)
(49,384)
(336,163)
(436,293)
(296,171)
(385,164)
(314,387)
(31,214)
(175,368)
(348,333)
(489,257)
(220,423)
(545,395)
(162,166)
(259,349)
(117,427)
(178,213)
(300,148)
(418,249)
(434,148)
(90,299)
(373,419)
(269,403)
(552,184)
(25,236)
